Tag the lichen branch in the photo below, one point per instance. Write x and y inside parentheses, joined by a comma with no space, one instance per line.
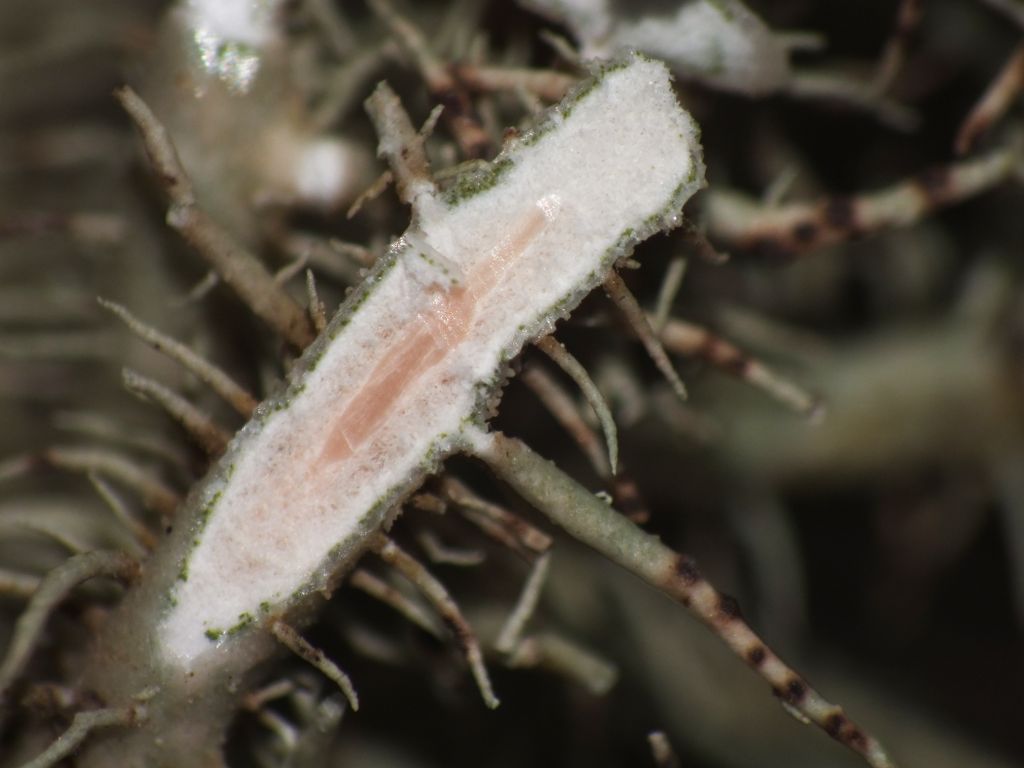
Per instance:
(998,97)
(693,340)
(290,638)
(592,521)
(554,349)
(800,228)
(438,595)
(54,587)
(207,434)
(83,724)
(235,265)
(617,291)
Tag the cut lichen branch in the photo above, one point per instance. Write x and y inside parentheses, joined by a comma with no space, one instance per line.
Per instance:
(992,105)
(561,356)
(592,521)
(565,411)
(692,340)
(235,265)
(220,382)
(289,637)
(637,319)
(84,724)
(379,589)
(798,228)
(445,605)
(512,631)
(200,426)
(56,586)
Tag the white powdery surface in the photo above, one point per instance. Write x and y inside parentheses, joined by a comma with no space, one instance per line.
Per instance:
(229,36)
(721,42)
(399,383)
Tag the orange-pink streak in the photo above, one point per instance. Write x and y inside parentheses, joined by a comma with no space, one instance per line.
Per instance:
(421,344)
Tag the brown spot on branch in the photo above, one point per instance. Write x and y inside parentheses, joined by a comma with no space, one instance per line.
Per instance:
(593,522)
(737,221)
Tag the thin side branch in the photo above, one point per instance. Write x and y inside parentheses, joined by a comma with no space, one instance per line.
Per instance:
(55,586)
(493,519)
(799,228)
(512,631)
(993,104)
(200,426)
(564,657)
(289,637)
(547,84)
(378,588)
(854,94)
(908,18)
(317,311)
(592,521)
(667,293)
(561,405)
(140,532)
(83,724)
(435,591)
(693,340)
(154,493)
(554,349)
(637,319)
(444,554)
(235,265)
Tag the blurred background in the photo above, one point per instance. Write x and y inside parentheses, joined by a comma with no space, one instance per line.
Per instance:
(876,541)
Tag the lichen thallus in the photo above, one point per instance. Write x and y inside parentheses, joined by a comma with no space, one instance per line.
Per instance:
(405,375)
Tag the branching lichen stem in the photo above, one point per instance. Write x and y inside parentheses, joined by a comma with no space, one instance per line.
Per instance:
(238,268)
(592,521)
